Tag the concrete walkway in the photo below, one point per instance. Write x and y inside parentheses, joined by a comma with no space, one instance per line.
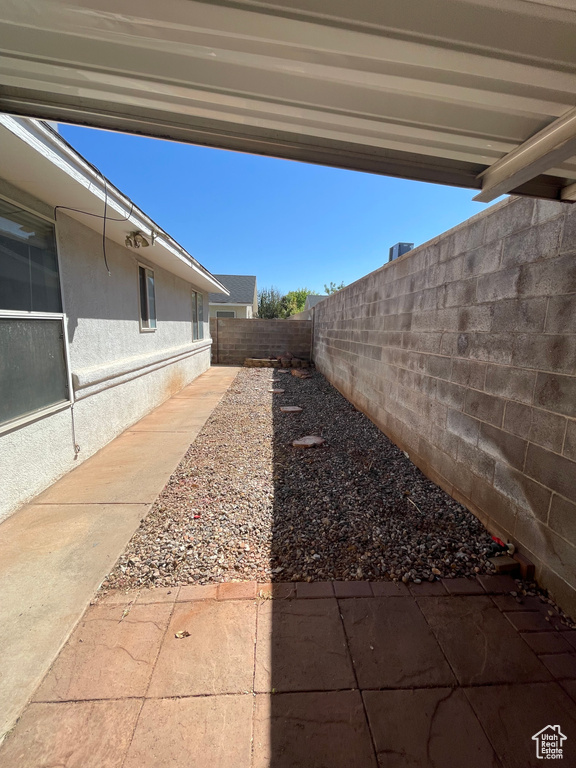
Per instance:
(55,552)
(338,675)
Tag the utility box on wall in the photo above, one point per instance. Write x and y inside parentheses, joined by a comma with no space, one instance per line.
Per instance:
(399,250)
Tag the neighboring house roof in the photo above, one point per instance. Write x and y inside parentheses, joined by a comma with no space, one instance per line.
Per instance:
(312,300)
(242,289)
(37,160)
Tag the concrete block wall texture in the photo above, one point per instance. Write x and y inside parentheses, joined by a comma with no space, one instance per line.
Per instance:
(464,353)
(233,339)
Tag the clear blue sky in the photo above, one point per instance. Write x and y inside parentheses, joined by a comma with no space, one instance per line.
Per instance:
(291,224)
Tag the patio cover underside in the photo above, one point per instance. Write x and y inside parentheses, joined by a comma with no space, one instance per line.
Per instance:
(472,93)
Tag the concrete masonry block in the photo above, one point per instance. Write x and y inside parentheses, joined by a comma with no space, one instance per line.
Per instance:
(537,242)
(555,353)
(548,430)
(568,244)
(463,425)
(498,285)
(502,445)
(511,383)
(514,216)
(519,315)
(484,407)
(469,373)
(570,441)
(562,518)
(561,317)
(556,393)
(553,471)
(548,278)
(532,499)
(518,419)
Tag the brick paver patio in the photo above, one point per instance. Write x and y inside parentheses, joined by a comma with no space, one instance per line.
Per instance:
(345,675)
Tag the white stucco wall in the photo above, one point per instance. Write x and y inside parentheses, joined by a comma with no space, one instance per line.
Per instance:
(119,373)
(242,310)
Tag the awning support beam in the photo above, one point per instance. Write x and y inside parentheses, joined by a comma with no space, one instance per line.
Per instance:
(550,147)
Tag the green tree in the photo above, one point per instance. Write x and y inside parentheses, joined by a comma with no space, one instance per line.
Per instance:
(294,301)
(332,288)
(270,303)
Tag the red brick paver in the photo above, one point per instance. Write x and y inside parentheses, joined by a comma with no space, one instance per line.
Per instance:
(253,676)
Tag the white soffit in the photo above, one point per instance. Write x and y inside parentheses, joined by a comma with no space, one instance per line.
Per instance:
(435,90)
(38,161)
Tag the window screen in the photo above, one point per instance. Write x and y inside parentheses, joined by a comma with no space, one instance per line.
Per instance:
(32,366)
(225,314)
(147,298)
(29,278)
(197,316)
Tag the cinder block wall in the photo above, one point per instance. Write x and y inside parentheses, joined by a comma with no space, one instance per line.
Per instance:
(234,340)
(464,353)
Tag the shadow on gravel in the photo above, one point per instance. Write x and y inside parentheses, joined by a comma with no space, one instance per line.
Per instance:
(353,509)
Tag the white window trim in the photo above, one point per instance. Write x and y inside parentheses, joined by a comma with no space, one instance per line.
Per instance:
(143,328)
(228,311)
(27,418)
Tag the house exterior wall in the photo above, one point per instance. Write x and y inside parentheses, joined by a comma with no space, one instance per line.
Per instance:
(243,311)
(119,373)
(463,352)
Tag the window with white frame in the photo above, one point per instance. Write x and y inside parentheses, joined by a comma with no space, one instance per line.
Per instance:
(228,313)
(147,298)
(197,316)
(33,366)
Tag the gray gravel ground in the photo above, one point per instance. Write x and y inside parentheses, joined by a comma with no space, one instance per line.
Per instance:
(245,505)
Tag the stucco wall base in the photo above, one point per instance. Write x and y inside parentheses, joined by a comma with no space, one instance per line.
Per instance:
(35,456)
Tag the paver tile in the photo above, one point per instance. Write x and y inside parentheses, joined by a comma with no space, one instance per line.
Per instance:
(202,732)
(218,655)
(118,597)
(570,635)
(80,734)
(391,644)
(312,730)
(547,642)
(109,655)
(561,665)
(197,592)
(497,585)
(158,595)
(529,621)
(509,603)
(512,714)
(352,589)
(281,590)
(427,588)
(570,688)
(463,586)
(480,644)
(427,727)
(302,647)
(242,590)
(314,589)
(389,589)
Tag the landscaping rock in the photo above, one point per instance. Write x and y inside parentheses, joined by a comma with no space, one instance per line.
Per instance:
(310,441)
(244,505)
(291,409)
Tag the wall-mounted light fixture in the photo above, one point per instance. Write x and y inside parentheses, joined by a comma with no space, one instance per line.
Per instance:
(138,239)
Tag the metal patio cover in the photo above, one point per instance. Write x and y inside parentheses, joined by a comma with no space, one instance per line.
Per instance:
(474,93)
